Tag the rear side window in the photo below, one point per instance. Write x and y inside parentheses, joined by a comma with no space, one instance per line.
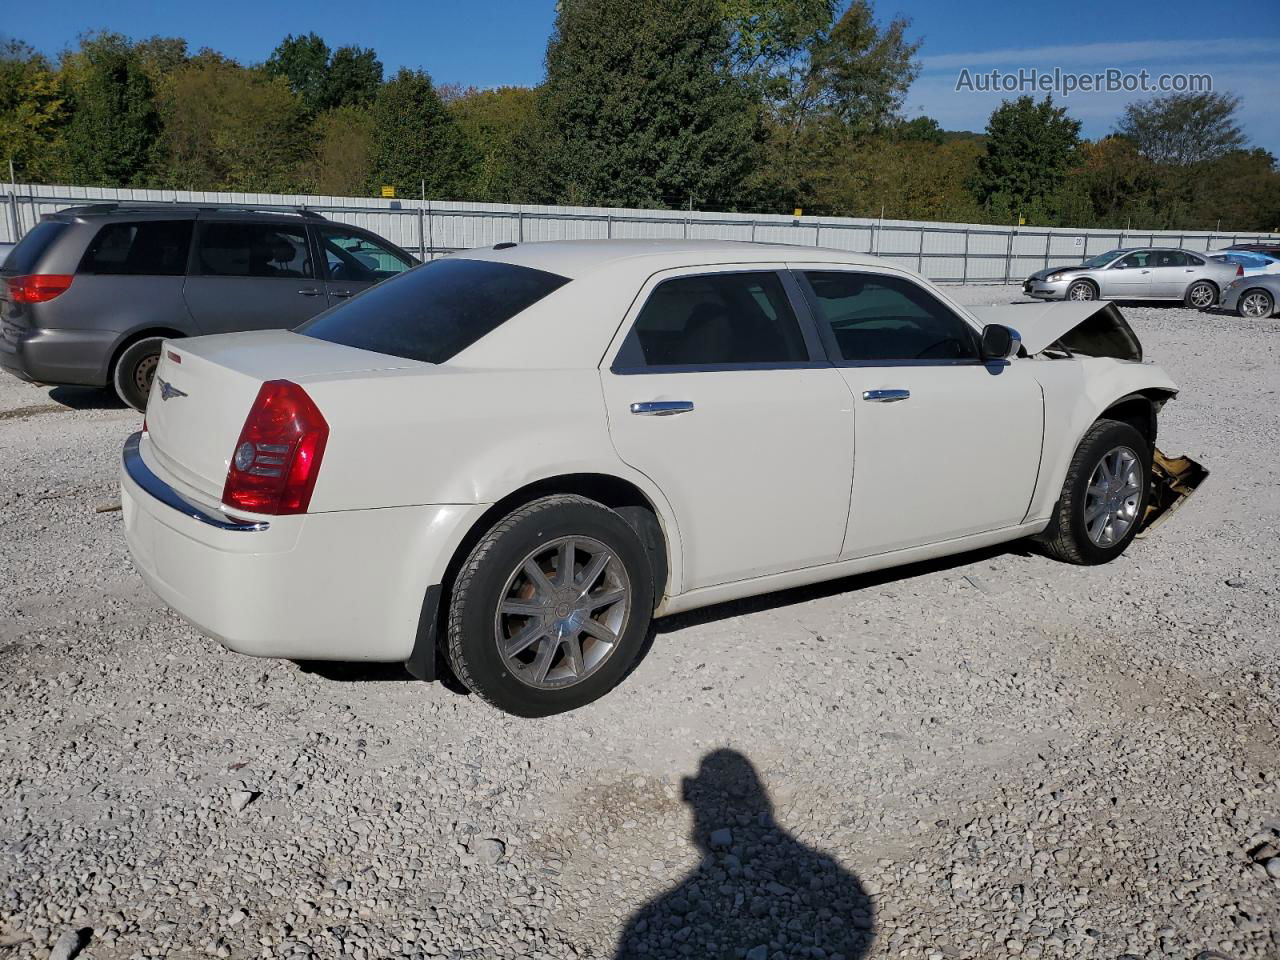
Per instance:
(434,311)
(713,320)
(154,248)
(254,250)
(876,318)
(25,257)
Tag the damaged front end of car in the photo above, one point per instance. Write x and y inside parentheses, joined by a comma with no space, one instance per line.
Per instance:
(1098,329)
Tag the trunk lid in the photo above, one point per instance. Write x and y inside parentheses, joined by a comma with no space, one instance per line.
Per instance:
(205,386)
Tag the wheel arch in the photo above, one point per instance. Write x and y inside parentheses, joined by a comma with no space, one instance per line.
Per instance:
(1139,409)
(1097,287)
(651,522)
(128,339)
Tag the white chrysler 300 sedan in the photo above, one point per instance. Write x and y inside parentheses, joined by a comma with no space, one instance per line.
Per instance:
(506,462)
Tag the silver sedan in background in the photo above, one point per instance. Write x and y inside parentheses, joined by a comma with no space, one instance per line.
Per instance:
(1254,297)
(1140,273)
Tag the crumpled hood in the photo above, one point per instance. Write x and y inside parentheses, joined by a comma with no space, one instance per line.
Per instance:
(1095,328)
(1049,271)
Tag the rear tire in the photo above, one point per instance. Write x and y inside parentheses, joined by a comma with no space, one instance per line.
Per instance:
(1201,295)
(135,370)
(1104,496)
(533,642)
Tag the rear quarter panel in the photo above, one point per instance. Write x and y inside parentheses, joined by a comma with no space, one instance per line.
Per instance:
(451,435)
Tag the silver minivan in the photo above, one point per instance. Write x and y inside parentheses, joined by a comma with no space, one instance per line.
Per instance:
(90,293)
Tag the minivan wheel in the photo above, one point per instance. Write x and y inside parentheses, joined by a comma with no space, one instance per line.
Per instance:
(135,370)
(1104,496)
(551,608)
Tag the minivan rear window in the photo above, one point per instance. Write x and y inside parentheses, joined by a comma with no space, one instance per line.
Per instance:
(434,311)
(25,257)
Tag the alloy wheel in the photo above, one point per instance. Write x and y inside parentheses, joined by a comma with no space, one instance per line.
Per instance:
(1081,291)
(1202,296)
(562,612)
(1256,304)
(1113,497)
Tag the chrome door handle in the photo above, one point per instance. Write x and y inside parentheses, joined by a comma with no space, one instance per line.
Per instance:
(661,408)
(342,293)
(886,396)
(310,292)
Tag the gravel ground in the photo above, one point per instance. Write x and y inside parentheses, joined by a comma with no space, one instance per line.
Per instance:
(991,756)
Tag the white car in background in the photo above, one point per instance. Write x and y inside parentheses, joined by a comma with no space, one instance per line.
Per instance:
(521,455)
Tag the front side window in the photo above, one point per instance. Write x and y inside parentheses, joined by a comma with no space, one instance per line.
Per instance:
(435,311)
(1102,259)
(875,318)
(713,320)
(253,250)
(355,258)
(154,248)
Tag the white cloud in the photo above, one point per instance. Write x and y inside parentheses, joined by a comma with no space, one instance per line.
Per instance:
(1106,54)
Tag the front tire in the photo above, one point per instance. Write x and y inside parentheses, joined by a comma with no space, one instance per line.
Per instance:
(1201,295)
(1082,290)
(135,370)
(551,608)
(1103,498)
(1255,305)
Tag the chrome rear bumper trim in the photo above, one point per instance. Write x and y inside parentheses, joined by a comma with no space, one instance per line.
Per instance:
(141,474)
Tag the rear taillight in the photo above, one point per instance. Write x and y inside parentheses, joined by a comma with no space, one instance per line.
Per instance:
(277,458)
(38,287)
(1240,270)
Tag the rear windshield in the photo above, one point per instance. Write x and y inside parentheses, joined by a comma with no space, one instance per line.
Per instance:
(434,311)
(25,257)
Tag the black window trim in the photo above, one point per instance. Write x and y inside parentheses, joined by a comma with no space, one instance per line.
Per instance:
(138,221)
(828,338)
(818,355)
(197,235)
(316,233)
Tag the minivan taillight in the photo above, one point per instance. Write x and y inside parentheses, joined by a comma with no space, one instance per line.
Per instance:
(1240,270)
(277,459)
(38,287)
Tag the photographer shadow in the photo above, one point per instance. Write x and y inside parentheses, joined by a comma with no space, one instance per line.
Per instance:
(758,893)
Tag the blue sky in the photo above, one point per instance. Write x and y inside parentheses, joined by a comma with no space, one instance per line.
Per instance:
(489,43)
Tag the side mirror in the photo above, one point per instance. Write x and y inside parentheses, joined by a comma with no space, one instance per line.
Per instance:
(999,342)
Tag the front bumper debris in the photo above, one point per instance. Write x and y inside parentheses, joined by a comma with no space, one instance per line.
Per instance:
(1173,480)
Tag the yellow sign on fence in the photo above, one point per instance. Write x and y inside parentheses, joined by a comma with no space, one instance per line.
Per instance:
(799,212)
(388,190)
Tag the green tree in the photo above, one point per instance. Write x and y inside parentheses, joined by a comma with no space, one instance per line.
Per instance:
(112,123)
(303,61)
(416,141)
(353,78)
(839,81)
(1182,129)
(231,128)
(31,111)
(340,161)
(1030,148)
(161,56)
(498,125)
(641,106)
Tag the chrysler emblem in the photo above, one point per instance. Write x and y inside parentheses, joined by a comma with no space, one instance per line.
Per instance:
(168,391)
